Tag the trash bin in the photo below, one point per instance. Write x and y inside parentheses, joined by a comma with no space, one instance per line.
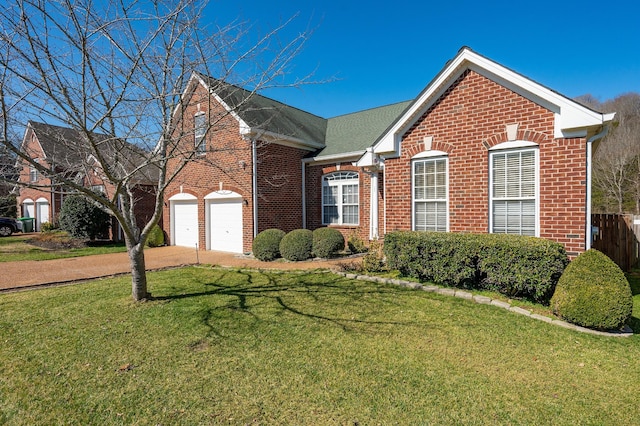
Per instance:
(27,224)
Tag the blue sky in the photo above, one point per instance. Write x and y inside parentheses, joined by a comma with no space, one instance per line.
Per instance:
(379,53)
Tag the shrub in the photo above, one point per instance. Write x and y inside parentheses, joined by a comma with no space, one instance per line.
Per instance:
(266,245)
(520,266)
(373,261)
(513,265)
(449,259)
(48,227)
(355,243)
(327,242)
(8,206)
(82,218)
(297,245)
(156,237)
(593,292)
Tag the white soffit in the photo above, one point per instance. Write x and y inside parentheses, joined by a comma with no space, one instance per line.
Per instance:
(571,118)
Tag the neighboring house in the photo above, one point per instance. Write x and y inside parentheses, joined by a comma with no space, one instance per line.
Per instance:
(480,149)
(61,148)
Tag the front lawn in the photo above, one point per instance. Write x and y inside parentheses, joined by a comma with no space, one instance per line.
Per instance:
(241,347)
(18,248)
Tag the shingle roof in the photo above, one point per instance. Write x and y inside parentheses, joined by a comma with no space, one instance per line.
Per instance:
(359,130)
(67,148)
(344,134)
(265,113)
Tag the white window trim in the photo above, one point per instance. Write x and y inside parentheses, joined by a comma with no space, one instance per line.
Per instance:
(426,156)
(199,147)
(340,183)
(516,146)
(429,154)
(33,172)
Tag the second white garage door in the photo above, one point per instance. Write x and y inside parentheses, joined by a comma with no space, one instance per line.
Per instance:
(225,221)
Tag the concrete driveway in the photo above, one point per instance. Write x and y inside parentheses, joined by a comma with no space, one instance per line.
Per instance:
(15,275)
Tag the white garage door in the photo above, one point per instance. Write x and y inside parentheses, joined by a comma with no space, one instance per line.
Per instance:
(185,223)
(225,219)
(42,212)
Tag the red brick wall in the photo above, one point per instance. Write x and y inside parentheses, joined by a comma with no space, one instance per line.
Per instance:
(279,187)
(32,147)
(227,162)
(470,117)
(314,174)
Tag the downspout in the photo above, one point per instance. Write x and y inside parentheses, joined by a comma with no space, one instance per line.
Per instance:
(373,202)
(603,133)
(304,197)
(254,182)
(384,195)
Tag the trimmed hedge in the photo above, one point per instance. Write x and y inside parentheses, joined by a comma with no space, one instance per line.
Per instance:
(513,265)
(593,292)
(297,245)
(327,242)
(266,245)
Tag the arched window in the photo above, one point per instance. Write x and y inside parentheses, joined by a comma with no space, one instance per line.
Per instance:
(340,198)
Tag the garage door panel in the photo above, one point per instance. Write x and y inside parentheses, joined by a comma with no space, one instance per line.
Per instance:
(226,225)
(185,223)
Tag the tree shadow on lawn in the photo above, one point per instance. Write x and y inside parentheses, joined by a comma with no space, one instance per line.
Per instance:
(348,304)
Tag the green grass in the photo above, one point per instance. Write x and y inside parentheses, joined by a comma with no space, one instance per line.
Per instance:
(217,346)
(17,248)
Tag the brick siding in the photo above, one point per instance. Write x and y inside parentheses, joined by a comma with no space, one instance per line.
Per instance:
(468,119)
(314,174)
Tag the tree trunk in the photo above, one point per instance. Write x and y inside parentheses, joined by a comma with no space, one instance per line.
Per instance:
(138,273)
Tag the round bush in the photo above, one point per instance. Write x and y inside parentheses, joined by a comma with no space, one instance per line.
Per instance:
(327,242)
(297,245)
(593,292)
(156,237)
(266,245)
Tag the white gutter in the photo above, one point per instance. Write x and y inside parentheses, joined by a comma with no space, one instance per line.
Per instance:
(344,157)
(588,226)
(254,182)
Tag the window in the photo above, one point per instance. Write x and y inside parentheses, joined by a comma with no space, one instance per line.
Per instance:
(430,195)
(33,173)
(340,199)
(514,192)
(99,189)
(199,130)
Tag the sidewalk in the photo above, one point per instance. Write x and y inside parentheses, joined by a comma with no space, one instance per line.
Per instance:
(48,272)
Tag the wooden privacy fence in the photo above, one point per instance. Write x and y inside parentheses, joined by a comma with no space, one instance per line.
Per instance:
(616,235)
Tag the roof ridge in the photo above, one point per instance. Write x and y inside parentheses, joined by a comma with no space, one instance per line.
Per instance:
(371,109)
(256,93)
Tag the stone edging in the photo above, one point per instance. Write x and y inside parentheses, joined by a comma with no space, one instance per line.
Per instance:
(484,300)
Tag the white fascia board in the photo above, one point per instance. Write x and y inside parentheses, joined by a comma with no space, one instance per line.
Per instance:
(24,143)
(368,159)
(335,158)
(571,118)
(244,127)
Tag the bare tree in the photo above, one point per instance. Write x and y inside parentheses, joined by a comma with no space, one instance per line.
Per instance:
(617,160)
(114,71)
